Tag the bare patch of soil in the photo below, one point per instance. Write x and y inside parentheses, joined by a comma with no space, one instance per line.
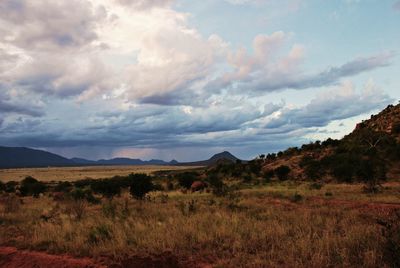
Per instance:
(13,258)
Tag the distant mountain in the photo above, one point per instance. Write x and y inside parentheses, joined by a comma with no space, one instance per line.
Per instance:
(18,157)
(129,161)
(82,161)
(224,156)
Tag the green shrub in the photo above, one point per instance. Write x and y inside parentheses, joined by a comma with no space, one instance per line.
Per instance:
(268,175)
(316,186)
(141,184)
(186,179)
(396,128)
(63,186)
(32,187)
(296,198)
(217,185)
(282,172)
(84,194)
(10,187)
(106,187)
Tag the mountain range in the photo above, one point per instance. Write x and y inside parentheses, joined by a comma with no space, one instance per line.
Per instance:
(19,157)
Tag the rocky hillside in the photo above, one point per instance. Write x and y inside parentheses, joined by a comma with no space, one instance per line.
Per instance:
(387,121)
(372,150)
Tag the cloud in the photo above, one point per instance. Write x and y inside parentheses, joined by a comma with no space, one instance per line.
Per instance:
(14,105)
(264,72)
(328,77)
(337,104)
(146,4)
(134,73)
(48,24)
(217,126)
(396,6)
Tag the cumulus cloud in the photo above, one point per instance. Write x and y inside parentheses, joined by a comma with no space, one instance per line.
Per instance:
(134,73)
(145,4)
(48,24)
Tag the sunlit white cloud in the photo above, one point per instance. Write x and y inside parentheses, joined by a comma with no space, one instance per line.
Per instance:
(138,74)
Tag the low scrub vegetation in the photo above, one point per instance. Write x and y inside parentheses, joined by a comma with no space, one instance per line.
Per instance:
(231,227)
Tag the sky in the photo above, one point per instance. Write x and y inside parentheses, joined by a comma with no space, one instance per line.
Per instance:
(184,79)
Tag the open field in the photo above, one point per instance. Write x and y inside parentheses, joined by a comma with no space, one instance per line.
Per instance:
(78,173)
(279,224)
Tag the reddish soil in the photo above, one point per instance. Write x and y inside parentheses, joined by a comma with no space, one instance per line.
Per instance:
(13,258)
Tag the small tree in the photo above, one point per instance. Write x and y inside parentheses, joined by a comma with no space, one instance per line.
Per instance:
(372,172)
(219,188)
(282,172)
(186,179)
(31,186)
(10,186)
(107,187)
(141,184)
(268,175)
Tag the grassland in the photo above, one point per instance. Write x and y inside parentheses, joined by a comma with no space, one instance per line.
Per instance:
(77,173)
(282,224)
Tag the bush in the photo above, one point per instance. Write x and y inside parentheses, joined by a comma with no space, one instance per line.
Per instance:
(106,187)
(268,175)
(316,186)
(10,187)
(2,186)
(312,168)
(83,194)
(63,186)
(282,172)
(396,128)
(296,198)
(32,187)
(83,183)
(141,184)
(218,186)
(186,179)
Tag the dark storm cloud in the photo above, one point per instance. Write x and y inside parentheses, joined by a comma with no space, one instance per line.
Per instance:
(6,107)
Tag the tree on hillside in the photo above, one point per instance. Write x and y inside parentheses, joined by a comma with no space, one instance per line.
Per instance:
(282,172)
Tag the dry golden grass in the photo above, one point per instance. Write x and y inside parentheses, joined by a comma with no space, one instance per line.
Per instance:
(256,228)
(77,173)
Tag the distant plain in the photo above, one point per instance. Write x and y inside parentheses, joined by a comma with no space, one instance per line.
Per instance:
(78,173)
